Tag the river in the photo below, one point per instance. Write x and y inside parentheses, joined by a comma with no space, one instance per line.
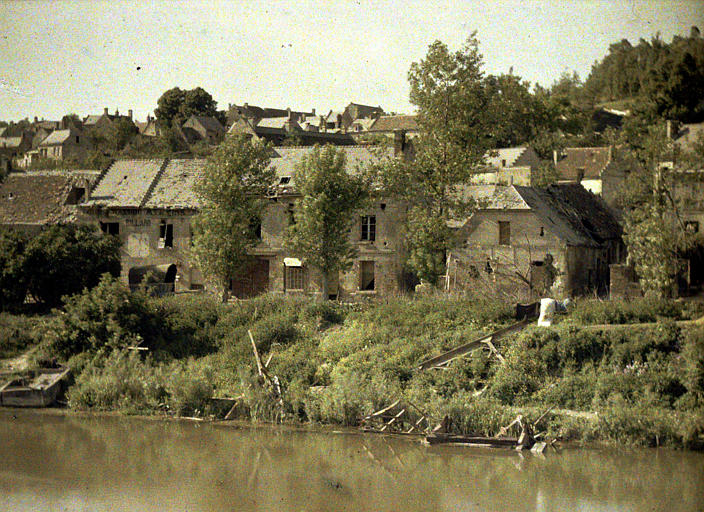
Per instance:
(52,462)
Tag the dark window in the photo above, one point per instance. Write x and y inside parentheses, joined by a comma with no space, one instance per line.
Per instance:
(110,228)
(691,226)
(369,228)
(285,180)
(504,233)
(366,275)
(503,163)
(76,195)
(166,235)
(294,278)
(255,227)
(77,139)
(542,231)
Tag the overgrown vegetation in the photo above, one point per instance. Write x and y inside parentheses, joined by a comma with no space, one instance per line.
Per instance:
(337,363)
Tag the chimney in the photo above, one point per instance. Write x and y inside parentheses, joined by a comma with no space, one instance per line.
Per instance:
(36,120)
(117,112)
(105,110)
(288,113)
(399,142)
(323,125)
(312,111)
(129,113)
(245,105)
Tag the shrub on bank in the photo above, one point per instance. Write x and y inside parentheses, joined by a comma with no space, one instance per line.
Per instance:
(637,310)
(19,332)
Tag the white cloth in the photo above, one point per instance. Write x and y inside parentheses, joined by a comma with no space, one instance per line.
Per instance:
(547,312)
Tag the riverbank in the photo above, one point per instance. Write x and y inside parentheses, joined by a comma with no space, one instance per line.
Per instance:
(626,383)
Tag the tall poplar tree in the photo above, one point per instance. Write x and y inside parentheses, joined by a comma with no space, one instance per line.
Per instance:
(233,191)
(330,199)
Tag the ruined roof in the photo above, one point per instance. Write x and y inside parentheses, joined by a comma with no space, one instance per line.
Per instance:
(39,198)
(174,190)
(285,159)
(495,197)
(572,213)
(126,183)
(56,137)
(511,156)
(392,123)
(588,163)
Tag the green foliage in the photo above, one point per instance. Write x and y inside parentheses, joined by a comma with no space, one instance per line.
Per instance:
(693,359)
(546,174)
(427,240)
(13,275)
(106,317)
(19,332)
(176,105)
(64,260)
(331,199)
(637,310)
(233,190)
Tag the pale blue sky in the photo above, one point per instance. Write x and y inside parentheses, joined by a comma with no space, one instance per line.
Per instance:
(60,57)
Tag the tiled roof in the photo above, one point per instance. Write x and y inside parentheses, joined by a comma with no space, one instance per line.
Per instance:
(391,123)
(588,162)
(572,213)
(174,189)
(56,137)
(495,197)
(273,122)
(10,142)
(92,119)
(126,183)
(38,198)
(209,123)
(285,159)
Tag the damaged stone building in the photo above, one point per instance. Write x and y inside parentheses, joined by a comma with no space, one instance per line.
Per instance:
(527,242)
(149,204)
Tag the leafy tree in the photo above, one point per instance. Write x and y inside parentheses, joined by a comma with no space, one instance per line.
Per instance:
(64,260)
(233,192)
(546,174)
(13,279)
(654,232)
(455,131)
(331,197)
(121,133)
(169,105)
(176,105)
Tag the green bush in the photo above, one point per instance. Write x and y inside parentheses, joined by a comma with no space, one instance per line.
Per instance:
(638,310)
(693,362)
(19,332)
(189,389)
(13,274)
(119,381)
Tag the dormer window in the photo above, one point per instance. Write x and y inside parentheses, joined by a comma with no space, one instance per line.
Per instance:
(285,180)
(10,195)
(76,196)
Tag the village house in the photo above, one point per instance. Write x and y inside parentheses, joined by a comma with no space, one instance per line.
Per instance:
(283,130)
(204,128)
(526,242)
(63,145)
(254,114)
(149,204)
(32,200)
(508,166)
(101,122)
(597,169)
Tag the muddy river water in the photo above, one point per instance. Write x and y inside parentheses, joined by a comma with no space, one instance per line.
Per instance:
(51,462)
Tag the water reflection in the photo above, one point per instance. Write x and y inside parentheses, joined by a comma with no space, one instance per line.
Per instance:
(50,462)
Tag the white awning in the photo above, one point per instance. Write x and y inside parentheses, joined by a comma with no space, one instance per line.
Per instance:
(292,262)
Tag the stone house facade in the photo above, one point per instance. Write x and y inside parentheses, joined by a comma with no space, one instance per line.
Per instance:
(528,242)
(63,144)
(150,204)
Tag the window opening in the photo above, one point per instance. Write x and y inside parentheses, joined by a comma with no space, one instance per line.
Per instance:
(110,228)
(166,235)
(294,278)
(285,180)
(369,228)
(504,233)
(366,275)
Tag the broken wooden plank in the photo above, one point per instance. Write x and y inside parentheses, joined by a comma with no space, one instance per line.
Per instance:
(381,412)
(393,420)
(508,442)
(472,345)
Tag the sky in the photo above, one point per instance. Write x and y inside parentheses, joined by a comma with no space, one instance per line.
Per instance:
(78,57)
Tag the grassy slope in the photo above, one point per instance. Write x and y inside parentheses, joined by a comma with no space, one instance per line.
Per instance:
(339,363)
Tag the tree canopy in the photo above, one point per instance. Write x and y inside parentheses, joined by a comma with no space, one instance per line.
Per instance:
(233,191)
(179,104)
(323,217)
